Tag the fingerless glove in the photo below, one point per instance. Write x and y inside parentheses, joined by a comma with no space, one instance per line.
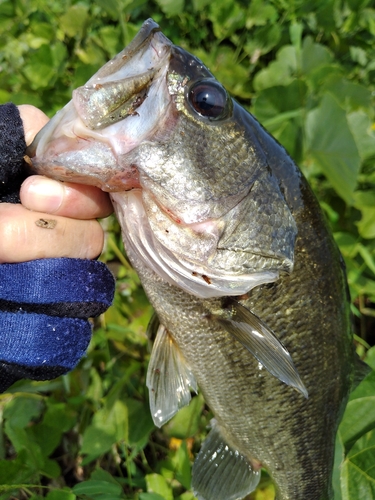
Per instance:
(44,304)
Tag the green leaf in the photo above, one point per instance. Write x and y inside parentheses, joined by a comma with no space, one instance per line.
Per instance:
(39,70)
(370,357)
(97,488)
(358,475)
(186,422)
(347,242)
(60,495)
(349,95)
(260,13)
(262,41)
(363,133)
(366,226)
(110,6)
(279,72)
(366,388)
(150,496)
(140,423)
(359,418)
(227,17)
(314,55)
(95,442)
(183,466)
(18,471)
(74,20)
(21,410)
(339,458)
(333,147)
(171,7)
(158,484)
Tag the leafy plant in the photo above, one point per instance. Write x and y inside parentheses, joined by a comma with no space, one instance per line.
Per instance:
(307,73)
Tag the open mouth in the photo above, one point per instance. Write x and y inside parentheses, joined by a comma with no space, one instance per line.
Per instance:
(90,139)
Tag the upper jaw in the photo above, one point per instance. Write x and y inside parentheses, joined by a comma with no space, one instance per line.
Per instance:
(118,108)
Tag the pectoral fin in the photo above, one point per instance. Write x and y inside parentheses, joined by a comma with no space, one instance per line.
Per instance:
(220,472)
(261,342)
(169,379)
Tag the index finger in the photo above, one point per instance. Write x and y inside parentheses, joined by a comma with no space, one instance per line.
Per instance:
(77,201)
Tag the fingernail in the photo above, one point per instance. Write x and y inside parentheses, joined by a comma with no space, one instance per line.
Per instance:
(41,194)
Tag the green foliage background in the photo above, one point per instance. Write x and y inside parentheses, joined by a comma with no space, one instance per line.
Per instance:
(306,71)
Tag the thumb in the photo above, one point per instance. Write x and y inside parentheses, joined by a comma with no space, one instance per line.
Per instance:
(33,120)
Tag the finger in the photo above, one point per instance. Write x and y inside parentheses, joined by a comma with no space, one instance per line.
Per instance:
(33,120)
(78,201)
(27,235)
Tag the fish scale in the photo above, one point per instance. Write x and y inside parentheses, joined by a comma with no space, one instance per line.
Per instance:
(259,315)
(299,455)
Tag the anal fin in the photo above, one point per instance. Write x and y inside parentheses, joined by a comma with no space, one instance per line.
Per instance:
(169,379)
(221,472)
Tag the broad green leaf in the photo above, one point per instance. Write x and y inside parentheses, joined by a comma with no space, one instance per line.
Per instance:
(358,475)
(150,496)
(274,101)
(96,488)
(104,476)
(366,226)
(359,418)
(333,147)
(279,72)
(347,242)
(186,422)
(60,495)
(366,388)
(171,7)
(110,6)
(20,410)
(348,95)
(370,357)
(183,466)
(262,41)
(260,13)
(18,471)
(295,33)
(74,20)
(314,55)
(227,17)
(188,495)
(363,133)
(339,458)
(200,4)
(140,423)
(110,424)
(39,70)
(158,484)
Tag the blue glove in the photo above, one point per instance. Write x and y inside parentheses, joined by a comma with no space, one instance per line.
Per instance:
(44,304)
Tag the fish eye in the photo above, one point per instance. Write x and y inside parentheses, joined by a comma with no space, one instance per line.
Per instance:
(209,99)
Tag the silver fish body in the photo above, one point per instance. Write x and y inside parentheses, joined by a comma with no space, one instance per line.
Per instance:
(235,256)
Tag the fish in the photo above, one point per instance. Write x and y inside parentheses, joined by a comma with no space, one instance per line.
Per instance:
(235,256)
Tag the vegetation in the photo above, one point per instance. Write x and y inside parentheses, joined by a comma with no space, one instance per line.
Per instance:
(306,70)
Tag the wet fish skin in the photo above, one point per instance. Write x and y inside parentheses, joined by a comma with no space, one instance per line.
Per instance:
(233,166)
(264,419)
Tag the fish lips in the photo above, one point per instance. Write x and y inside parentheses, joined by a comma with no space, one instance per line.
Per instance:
(89,140)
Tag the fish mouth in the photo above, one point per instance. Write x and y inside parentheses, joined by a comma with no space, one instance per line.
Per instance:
(90,139)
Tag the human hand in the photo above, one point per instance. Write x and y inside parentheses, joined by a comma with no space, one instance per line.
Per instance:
(55,219)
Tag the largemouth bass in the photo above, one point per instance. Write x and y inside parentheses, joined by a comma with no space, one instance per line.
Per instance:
(235,256)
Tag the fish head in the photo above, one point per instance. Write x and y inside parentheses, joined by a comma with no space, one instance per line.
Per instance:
(191,185)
